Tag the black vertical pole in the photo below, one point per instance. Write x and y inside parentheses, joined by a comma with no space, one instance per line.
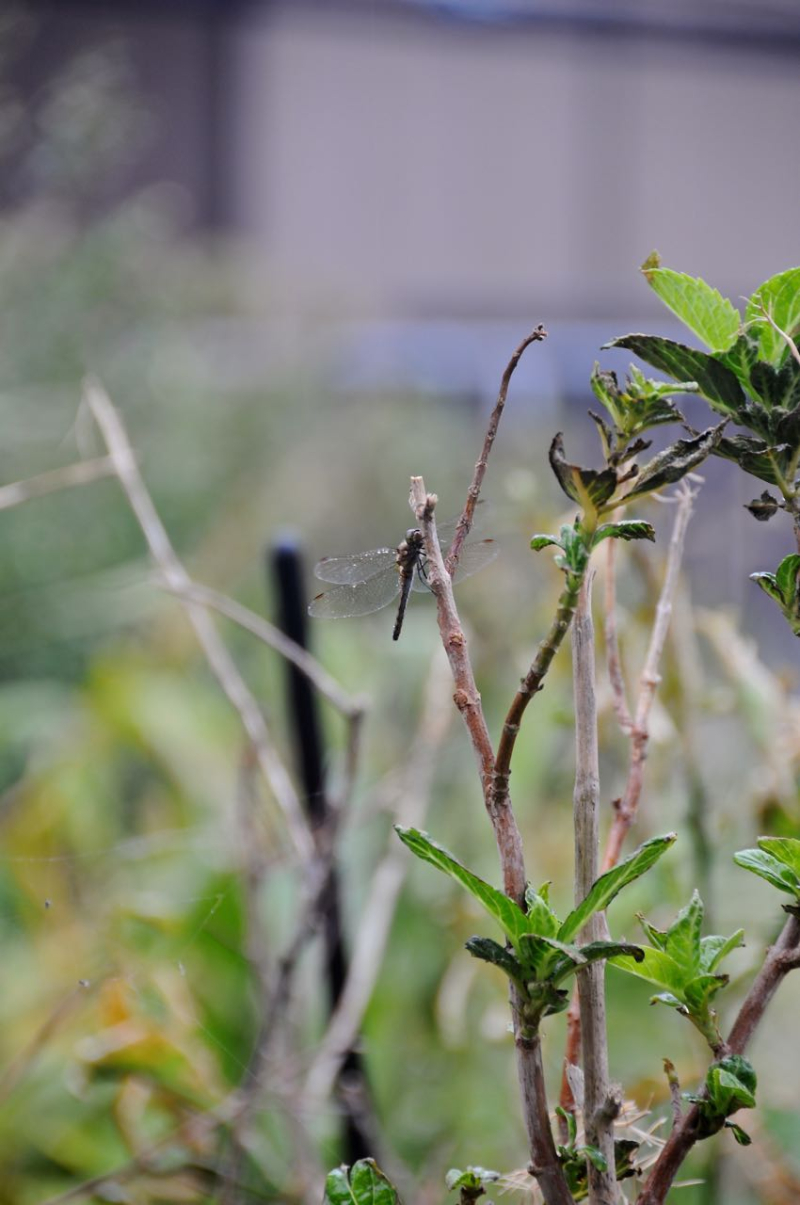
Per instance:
(284,563)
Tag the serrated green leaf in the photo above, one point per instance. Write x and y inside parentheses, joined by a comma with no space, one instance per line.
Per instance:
(769,868)
(683,936)
(542,541)
(780,298)
(506,912)
(604,889)
(731,1085)
(492,952)
(783,849)
(706,312)
(366,1185)
(675,462)
(700,991)
(714,948)
(656,967)
(597,951)
(786,577)
(627,529)
(718,384)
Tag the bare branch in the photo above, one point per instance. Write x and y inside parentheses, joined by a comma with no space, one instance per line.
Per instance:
(599,1110)
(467,698)
(612,645)
(80,473)
(626,808)
(781,958)
(473,493)
(219,659)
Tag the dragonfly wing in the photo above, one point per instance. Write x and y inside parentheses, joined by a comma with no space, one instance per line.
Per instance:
(358,598)
(474,556)
(349,570)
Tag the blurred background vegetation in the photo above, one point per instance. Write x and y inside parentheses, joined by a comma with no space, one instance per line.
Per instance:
(128,1000)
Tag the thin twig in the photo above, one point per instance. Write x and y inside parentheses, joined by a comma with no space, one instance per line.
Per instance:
(600,1109)
(467,698)
(544,1164)
(781,958)
(473,493)
(626,808)
(612,644)
(787,338)
(412,797)
(271,635)
(219,659)
(532,683)
(80,473)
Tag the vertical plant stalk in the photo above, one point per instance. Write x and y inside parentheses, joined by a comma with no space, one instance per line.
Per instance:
(637,728)
(473,493)
(544,1160)
(781,958)
(600,1109)
(626,808)
(532,683)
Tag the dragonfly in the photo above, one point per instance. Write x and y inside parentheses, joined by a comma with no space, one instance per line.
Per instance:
(367,581)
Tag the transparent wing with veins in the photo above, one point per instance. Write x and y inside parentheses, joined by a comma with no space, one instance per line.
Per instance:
(367,581)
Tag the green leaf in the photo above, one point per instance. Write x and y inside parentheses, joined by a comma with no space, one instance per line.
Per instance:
(683,937)
(740,358)
(641,404)
(731,1085)
(786,577)
(590,488)
(769,868)
(675,462)
(769,584)
(741,1136)
(367,1185)
(714,948)
(541,541)
(628,529)
(780,297)
(541,955)
(509,916)
(700,991)
(541,917)
(711,316)
(604,889)
(777,388)
(492,952)
(595,1157)
(658,937)
(753,455)
(572,1124)
(670,1000)
(784,849)
(596,951)
(717,383)
(656,967)
(473,1178)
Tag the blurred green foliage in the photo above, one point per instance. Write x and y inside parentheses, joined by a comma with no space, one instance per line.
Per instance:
(128,1000)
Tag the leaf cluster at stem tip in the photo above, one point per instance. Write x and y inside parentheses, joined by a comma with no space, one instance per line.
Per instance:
(542,953)
(777,860)
(684,964)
